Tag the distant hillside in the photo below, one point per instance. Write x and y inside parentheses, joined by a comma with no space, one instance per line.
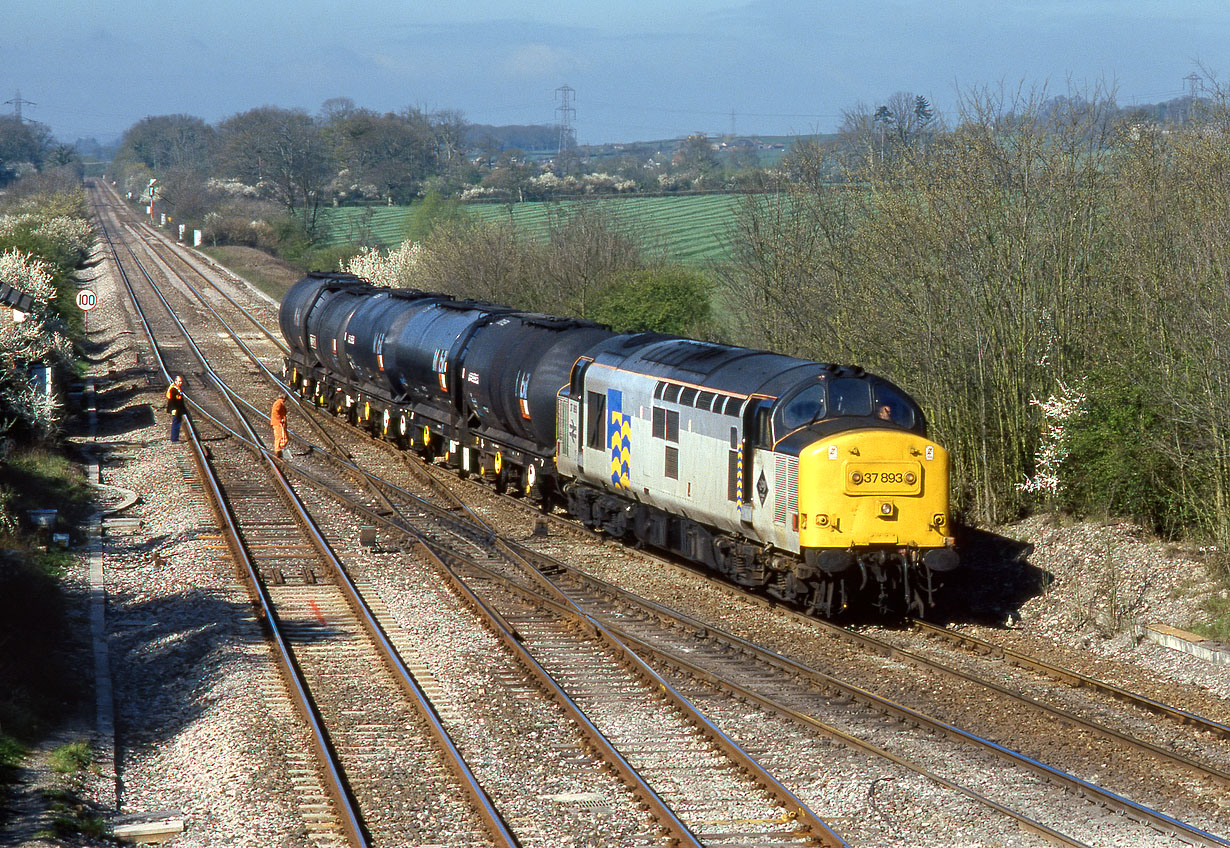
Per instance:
(688,229)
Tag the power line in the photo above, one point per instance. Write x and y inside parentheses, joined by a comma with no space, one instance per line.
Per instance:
(565,114)
(16,103)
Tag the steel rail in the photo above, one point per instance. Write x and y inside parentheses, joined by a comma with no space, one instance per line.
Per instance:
(504,631)
(487,811)
(691,668)
(819,829)
(336,786)
(190,261)
(1139,812)
(1073,678)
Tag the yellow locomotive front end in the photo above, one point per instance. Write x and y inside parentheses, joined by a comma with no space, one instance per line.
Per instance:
(875,501)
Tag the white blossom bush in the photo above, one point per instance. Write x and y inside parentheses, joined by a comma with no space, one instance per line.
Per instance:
(604,183)
(27,275)
(1059,412)
(477,192)
(401,267)
(8,516)
(39,338)
(72,235)
(71,238)
(232,188)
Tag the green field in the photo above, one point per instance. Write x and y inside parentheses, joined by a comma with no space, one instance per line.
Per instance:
(687,229)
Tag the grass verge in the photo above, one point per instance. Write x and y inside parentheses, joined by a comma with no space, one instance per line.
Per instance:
(70,816)
(271,275)
(1217,609)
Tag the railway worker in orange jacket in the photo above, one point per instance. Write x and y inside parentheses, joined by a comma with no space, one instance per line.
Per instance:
(277,417)
(176,406)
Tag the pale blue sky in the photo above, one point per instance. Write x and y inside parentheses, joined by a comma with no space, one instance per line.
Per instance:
(640,69)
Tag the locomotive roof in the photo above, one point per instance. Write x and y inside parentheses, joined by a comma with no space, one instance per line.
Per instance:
(719,367)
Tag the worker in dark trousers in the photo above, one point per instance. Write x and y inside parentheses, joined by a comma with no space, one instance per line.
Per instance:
(277,417)
(176,406)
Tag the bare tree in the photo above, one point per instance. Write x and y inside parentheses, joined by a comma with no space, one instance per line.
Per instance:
(282,151)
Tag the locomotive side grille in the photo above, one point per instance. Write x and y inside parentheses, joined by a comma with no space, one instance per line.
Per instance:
(786,479)
(561,427)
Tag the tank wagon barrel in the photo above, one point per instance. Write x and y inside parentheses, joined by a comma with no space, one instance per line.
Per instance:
(815,483)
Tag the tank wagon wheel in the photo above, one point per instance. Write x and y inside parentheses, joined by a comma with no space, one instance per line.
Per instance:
(500,479)
(532,485)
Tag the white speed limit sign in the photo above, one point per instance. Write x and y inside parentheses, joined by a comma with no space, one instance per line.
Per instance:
(86,300)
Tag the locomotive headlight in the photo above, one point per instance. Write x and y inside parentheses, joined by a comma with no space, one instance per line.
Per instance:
(856,478)
(886,508)
(939,520)
(822,520)
(910,477)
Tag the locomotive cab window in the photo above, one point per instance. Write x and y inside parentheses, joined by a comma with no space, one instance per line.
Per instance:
(891,405)
(850,396)
(807,405)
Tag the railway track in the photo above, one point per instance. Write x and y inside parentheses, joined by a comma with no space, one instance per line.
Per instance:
(416,505)
(251,509)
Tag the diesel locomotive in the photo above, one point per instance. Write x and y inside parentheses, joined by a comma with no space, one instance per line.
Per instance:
(814,483)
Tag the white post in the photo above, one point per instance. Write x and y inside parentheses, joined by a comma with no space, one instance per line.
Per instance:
(196,238)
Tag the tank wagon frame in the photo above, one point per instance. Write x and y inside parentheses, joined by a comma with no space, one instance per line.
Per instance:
(815,483)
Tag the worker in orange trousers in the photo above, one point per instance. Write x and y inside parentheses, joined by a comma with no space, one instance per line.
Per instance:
(277,417)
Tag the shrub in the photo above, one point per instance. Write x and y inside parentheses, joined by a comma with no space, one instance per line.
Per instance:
(1118,461)
(666,300)
(329,258)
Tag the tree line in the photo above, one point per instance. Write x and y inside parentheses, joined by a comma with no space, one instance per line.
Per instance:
(280,167)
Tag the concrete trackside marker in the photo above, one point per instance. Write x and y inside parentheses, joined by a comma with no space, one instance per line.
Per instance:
(1188,643)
